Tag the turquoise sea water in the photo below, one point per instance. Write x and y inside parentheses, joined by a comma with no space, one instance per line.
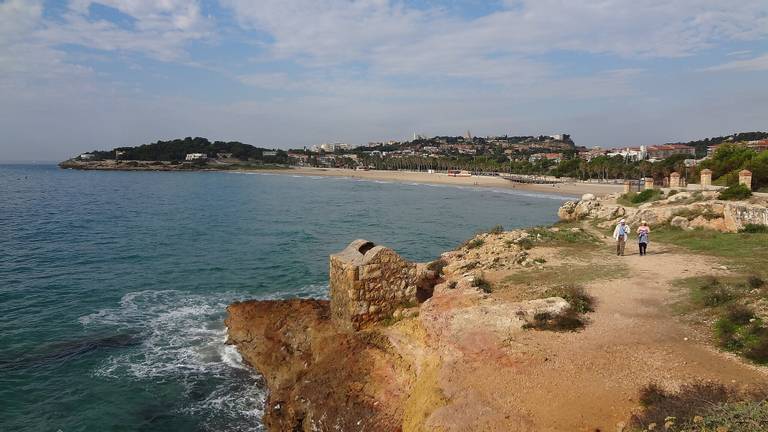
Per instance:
(113,285)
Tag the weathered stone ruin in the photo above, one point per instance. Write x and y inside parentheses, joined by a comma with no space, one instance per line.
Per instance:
(370,283)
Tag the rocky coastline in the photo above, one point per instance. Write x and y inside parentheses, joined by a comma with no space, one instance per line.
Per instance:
(369,358)
(120,165)
(404,346)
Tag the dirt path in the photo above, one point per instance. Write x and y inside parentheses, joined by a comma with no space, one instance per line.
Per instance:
(589,380)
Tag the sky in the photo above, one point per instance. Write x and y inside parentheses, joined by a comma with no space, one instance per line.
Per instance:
(78,75)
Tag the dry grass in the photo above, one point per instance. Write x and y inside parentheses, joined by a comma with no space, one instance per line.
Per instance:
(566,274)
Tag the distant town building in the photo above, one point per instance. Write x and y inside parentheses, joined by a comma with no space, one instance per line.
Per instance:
(267,153)
(630,153)
(667,150)
(86,156)
(196,156)
(224,155)
(553,157)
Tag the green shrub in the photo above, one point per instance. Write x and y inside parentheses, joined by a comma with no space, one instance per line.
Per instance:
(739,314)
(716,297)
(575,295)
(645,196)
(735,193)
(754,229)
(758,352)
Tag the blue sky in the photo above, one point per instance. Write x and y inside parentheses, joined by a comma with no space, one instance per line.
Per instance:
(79,75)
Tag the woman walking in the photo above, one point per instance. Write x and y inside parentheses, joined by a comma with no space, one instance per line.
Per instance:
(642,237)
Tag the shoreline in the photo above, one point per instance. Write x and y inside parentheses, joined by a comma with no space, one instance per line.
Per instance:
(574,189)
(570,189)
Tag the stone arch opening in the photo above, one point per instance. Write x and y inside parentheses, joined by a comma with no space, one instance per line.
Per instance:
(365,247)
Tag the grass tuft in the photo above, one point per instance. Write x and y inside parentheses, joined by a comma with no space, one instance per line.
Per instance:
(483,284)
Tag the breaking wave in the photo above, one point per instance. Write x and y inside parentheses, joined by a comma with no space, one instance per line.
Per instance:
(184,340)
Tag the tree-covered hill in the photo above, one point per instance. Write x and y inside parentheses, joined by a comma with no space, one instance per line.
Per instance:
(176,150)
(701,145)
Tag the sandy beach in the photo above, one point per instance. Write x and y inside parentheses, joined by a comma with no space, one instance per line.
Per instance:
(570,188)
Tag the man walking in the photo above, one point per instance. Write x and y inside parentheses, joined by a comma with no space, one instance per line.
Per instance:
(621,234)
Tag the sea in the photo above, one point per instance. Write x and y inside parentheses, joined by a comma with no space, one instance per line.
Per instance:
(114,285)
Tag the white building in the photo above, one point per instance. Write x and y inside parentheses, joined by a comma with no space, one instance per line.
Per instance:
(86,156)
(196,156)
(266,153)
(631,153)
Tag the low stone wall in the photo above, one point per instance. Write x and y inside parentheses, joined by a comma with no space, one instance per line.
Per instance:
(369,283)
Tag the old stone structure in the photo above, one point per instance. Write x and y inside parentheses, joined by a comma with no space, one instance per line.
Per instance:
(627,186)
(745,178)
(706,178)
(649,182)
(369,283)
(674,180)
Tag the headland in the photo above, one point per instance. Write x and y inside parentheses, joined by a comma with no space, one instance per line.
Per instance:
(541,329)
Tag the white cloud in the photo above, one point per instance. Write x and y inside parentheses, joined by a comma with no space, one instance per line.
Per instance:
(357,70)
(759,63)
(336,31)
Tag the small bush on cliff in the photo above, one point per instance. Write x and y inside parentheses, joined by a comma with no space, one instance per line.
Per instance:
(498,229)
(437,266)
(569,320)
(474,243)
(754,229)
(755,282)
(575,295)
(735,193)
(525,243)
(483,284)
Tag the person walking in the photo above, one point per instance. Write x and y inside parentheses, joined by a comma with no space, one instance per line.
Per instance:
(642,237)
(621,235)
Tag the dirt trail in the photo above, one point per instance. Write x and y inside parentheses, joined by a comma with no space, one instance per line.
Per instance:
(589,380)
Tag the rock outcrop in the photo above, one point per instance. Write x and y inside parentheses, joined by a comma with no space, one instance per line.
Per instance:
(320,378)
(335,365)
(683,210)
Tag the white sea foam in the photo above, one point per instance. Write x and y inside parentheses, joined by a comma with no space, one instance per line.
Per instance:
(184,340)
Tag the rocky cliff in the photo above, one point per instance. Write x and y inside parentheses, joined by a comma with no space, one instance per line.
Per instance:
(380,357)
(685,210)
